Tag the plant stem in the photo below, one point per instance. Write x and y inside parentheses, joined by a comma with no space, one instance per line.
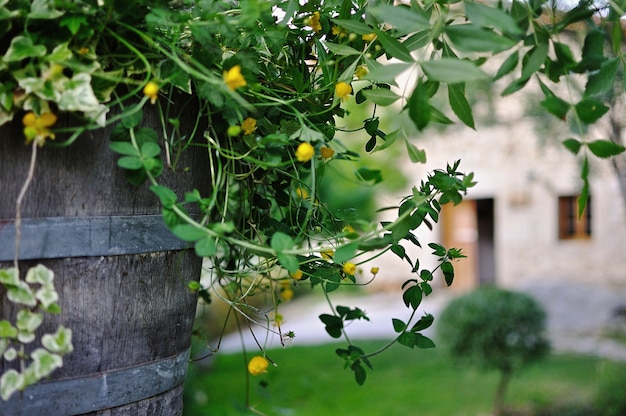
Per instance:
(503,384)
(18,203)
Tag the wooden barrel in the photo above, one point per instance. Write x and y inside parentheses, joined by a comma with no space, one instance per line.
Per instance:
(121,276)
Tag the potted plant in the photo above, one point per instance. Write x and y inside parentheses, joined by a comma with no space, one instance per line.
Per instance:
(222,118)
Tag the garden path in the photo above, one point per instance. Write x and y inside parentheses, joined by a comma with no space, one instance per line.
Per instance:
(581,318)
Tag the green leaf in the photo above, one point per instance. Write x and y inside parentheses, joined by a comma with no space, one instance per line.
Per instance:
(188,232)
(47,296)
(419,106)
(7,330)
(589,110)
(602,81)
(150,149)
(21,48)
(9,276)
(398,325)
(28,321)
(572,145)
(459,104)
(165,194)
(124,148)
(415,154)
(487,16)
(452,70)
(369,175)
(333,324)
(354,26)
(400,17)
(412,297)
(393,47)
(534,59)
(289,262)
(10,382)
(132,120)
(359,373)
(381,96)
(60,342)
(130,162)
(345,253)
(423,342)
(21,293)
(472,38)
(448,272)
(340,49)
(424,322)
(281,242)
(407,339)
(206,247)
(44,363)
(385,73)
(40,274)
(605,148)
(556,106)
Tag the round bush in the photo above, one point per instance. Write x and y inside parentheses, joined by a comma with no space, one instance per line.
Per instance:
(494,328)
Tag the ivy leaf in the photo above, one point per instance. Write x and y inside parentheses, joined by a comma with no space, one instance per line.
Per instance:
(21,293)
(452,70)
(21,48)
(10,382)
(60,342)
(605,148)
(44,363)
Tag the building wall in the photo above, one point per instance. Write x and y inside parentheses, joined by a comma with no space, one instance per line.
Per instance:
(525,175)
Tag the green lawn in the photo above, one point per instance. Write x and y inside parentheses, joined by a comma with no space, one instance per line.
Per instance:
(311,381)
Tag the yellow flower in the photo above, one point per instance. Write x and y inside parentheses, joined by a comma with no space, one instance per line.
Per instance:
(314,22)
(361,71)
(342,90)
(305,152)
(339,31)
(258,365)
(369,37)
(327,152)
(286,294)
(38,128)
(248,126)
(327,254)
(374,270)
(233,78)
(349,268)
(297,275)
(151,90)
(302,193)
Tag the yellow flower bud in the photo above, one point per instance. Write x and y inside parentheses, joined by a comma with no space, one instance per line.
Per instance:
(305,152)
(151,90)
(297,275)
(258,365)
(327,152)
(342,90)
(349,268)
(233,78)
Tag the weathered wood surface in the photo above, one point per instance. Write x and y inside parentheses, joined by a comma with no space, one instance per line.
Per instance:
(124,310)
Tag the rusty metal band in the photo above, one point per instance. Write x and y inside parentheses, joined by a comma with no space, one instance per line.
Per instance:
(100,391)
(59,237)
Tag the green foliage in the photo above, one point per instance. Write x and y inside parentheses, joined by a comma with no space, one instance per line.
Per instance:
(494,329)
(37,292)
(610,399)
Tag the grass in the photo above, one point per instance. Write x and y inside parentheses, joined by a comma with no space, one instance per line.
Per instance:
(311,381)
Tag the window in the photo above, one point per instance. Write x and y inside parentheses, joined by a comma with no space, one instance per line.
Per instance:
(570,226)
